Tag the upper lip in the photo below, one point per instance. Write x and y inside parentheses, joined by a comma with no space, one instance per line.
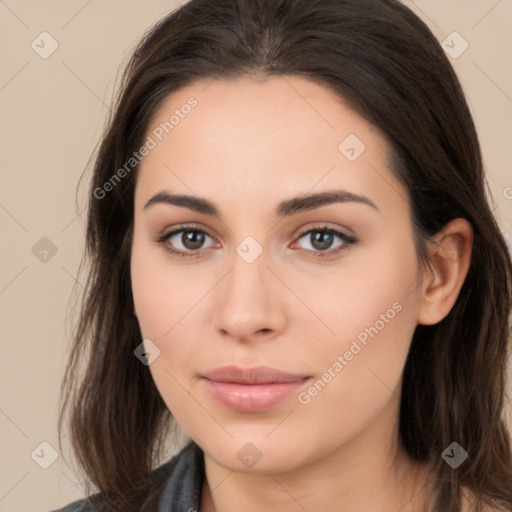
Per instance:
(256,375)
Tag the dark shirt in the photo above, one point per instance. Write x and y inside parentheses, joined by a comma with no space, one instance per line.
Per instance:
(184,477)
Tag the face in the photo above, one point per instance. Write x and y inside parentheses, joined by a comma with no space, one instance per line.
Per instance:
(324,290)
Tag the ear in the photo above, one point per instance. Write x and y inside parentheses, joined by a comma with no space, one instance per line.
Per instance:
(450,257)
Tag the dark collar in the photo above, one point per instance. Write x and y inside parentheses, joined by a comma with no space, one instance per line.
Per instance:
(184,481)
(180,480)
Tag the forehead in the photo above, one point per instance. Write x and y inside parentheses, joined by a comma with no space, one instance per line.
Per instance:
(256,137)
(279,109)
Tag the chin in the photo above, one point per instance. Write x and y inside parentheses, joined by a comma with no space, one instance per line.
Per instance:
(257,456)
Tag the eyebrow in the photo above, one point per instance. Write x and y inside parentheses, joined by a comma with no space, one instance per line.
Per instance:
(285,208)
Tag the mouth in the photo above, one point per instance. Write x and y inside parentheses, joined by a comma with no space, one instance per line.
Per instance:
(252,389)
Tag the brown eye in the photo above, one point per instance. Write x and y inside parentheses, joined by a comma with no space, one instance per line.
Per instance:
(184,241)
(321,239)
(192,239)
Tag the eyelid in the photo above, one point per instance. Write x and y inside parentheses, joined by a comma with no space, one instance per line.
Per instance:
(325,226)
(184,227)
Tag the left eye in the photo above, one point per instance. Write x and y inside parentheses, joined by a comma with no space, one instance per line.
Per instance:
(322,238)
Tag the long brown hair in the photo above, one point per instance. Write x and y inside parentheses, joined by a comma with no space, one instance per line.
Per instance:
(384,61)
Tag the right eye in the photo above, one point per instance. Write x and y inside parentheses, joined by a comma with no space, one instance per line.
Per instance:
(191,239)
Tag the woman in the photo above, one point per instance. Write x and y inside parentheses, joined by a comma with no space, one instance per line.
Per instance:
(292,258)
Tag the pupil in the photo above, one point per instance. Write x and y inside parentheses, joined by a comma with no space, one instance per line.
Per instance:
(321,239)
(193,239)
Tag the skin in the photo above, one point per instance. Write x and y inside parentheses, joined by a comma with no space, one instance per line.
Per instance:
(246,146)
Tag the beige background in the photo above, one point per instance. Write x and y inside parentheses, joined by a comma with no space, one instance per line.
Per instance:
(52,113)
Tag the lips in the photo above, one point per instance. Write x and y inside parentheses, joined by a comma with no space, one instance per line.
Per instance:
(252,389)
(257,375)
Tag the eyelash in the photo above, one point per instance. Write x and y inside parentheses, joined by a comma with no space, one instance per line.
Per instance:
(347,241)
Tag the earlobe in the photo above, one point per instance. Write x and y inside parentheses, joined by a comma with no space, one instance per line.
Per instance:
(448,265)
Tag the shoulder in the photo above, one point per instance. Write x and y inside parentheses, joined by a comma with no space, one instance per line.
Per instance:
(179,479)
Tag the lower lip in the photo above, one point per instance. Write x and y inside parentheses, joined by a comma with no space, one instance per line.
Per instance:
(252,397)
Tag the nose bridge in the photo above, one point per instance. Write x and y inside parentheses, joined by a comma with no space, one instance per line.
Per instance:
(247,273)
(248,302)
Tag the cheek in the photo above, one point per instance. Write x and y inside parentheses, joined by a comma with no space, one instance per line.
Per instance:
(366,316)
(167,299)
(358,369)
(163,293)
(164,301)
(369,284)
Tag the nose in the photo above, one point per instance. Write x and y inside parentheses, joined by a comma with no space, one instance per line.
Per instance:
(251,302)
